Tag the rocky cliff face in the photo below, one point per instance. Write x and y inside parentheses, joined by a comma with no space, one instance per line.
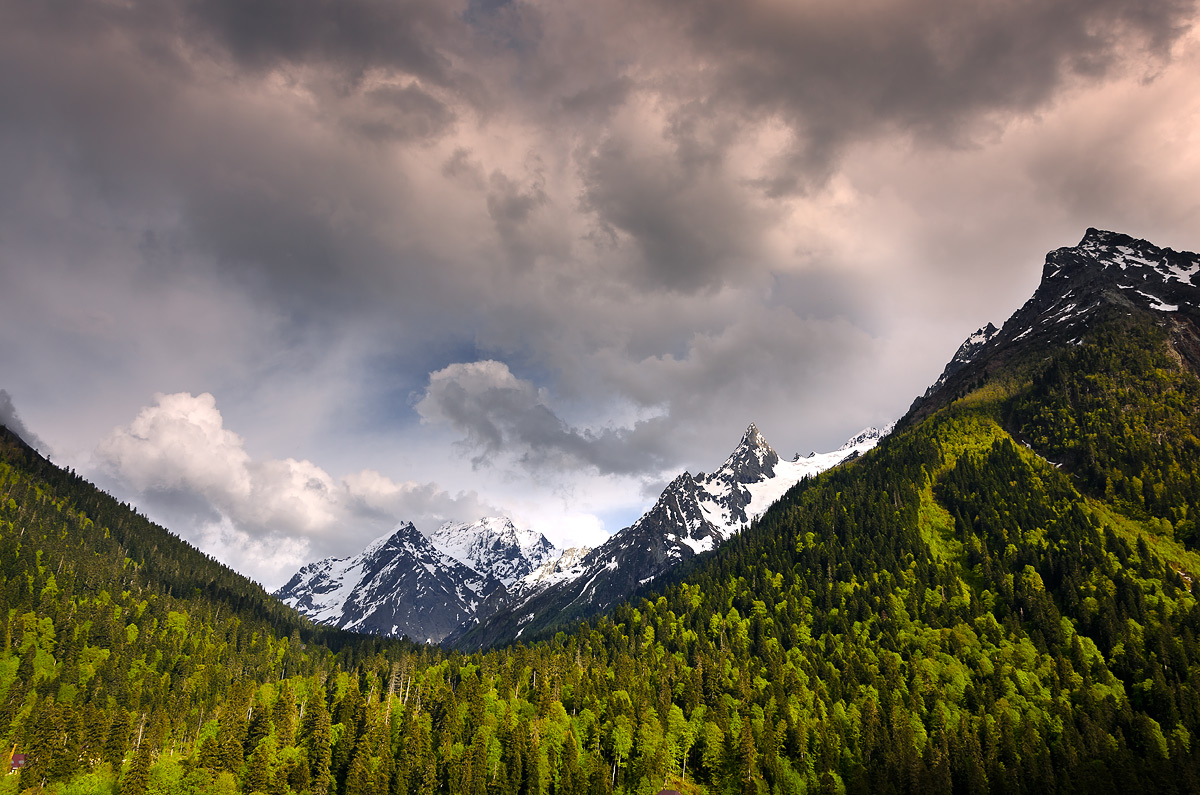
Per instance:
(1106,272)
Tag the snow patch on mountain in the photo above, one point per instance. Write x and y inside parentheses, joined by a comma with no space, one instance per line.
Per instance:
(564,568)
(766,492)
(970,349)
(697,513)
(1163,278)
(495,546)
(753,478)
(400,584)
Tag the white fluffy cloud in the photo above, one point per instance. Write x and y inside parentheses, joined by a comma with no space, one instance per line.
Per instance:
(264,517)
(180,443)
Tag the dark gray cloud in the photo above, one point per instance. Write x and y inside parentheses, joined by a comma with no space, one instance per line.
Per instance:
(261,121)
(935,69)
(354,36)
(499,414)
(511,207)
(596,102)
(403,114)
(692,228)
(244,133)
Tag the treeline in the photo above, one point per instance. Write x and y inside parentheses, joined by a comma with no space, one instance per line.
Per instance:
(950,613)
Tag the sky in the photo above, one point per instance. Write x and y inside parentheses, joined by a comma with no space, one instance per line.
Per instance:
(282,274)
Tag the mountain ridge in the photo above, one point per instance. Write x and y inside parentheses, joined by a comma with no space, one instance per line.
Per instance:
(1106,272)
(494,546)
(693,515)
(400,584)
(465,574)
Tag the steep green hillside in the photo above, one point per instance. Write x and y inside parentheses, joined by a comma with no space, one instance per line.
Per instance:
(119,636)
(955,611)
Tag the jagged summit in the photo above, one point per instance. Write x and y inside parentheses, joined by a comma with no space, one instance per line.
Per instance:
(693,514)
(753,459)
(400,584)
(966,353)
(1113,252)
(1106,272)
(392,539)
(1101,237)
(494,546)
(867,436)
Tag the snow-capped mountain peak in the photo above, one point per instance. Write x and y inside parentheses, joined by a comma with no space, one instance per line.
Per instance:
(494,546)
(867,437)
(392,538)
(693,514)
(400,584)
(752,460)
(567,566)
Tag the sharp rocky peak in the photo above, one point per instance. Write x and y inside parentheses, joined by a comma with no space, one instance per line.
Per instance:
(753,437)
(752,460)
(869,434)
(1106,272)
(400,584)
(404,533)
(1126,260)
(1105,269)
(494,546)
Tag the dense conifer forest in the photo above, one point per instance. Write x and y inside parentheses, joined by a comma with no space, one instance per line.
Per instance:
(998,599)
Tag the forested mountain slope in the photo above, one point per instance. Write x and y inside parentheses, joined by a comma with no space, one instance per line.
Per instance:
(954,611)
(123,645)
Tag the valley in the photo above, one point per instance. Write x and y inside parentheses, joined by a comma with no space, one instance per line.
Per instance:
(994,596)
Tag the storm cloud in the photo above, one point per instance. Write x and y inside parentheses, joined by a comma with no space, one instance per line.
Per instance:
(498,413)
(470,245)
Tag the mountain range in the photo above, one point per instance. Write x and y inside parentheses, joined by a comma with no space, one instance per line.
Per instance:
(693,515)
(484,581)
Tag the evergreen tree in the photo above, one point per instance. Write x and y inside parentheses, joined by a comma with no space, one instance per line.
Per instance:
(318,743)
(137,777)
(258,767)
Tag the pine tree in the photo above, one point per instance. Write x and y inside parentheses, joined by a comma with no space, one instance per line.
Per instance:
(137,778)
(747,760)
(117,744)
(40,743)
(260,727)
(319,743)
(358,777)
(283,715)
(209,756)
(258,767)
